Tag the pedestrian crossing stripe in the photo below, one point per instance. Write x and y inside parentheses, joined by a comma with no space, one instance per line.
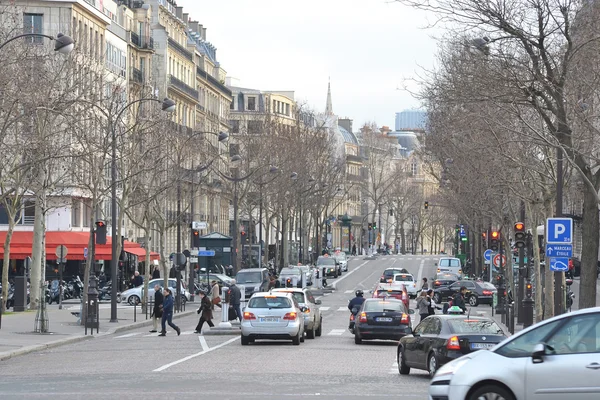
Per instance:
(336,332)
(343,309)
(348,291)
(324,308)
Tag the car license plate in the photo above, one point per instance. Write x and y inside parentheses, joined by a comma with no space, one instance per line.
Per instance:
(477,346)
(384,319)
(269,319)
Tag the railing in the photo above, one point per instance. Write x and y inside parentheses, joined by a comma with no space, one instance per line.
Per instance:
(354,178)
(353,158)
(213,81)
(182,50)
(137,75)
(183,87)
(144,42)
(28,220)
(117,30)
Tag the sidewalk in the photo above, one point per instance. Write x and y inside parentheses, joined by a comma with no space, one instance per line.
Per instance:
(17,336)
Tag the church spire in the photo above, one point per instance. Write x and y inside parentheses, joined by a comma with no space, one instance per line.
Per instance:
(329,107)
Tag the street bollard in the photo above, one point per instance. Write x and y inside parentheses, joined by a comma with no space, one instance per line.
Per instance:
(527,312)
(134,311)
(224,309)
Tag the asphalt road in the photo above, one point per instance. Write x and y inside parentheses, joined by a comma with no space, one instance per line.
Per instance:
(146,366)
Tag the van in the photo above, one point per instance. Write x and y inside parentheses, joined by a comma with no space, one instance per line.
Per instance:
(253,280)
(451,265)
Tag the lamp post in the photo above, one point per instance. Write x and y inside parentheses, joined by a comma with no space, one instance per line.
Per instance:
(167,105)
(62,43)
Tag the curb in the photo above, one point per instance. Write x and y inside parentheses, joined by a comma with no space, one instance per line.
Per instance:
(223,332)
(143,323)
(39,347)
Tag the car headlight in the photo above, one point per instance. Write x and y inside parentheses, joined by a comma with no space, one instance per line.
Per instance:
(452,367)
(256,288)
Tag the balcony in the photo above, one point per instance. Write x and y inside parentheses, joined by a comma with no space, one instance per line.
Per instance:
(182,87)
(354,178)
(136,76)
(180,49)
(141,42)
(218,85)
(354,159)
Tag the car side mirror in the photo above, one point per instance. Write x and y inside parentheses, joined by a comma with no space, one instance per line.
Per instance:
(303,309)
(318,302)
(538,353)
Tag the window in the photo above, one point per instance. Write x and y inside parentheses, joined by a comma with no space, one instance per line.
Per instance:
(434,327)
(524,344)
(33,23)
(578,335)
(251,103)
(254,126)
(76,213)
(87,213)
(235,126)
(28,212)
(287,109)
(413,168)
(423,326)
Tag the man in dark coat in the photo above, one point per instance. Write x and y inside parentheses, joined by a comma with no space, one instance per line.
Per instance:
(156,273)
(167,316)
(235,299)
(157,310)
(205,312)
(138,280)
(459,299)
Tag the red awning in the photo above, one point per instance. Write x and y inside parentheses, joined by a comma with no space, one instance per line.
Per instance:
(140,252)
(76,242)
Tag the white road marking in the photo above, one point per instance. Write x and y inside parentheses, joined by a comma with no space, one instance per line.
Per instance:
(393,368)
(187,333)
(324,308)
(336,332)
(338,280)
(169,365)
(348,291)
(152,334)
(420,271)
(346,308)
(203,343)
(128,335)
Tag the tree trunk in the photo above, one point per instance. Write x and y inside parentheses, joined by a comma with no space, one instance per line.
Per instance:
(402,238)
(549,276)
(6,263)
(589,253)
(37,262)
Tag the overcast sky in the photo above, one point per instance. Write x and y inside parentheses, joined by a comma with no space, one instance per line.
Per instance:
(369,48)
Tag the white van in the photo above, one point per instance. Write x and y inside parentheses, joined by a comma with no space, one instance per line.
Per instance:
(451,265)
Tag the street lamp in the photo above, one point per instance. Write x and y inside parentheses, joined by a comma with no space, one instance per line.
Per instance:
(62,43)
(167,105)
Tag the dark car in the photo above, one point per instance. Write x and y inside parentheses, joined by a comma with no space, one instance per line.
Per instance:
(384,319)
(439,339)
(478,292)
(444,279)
(389,273)
(332,267)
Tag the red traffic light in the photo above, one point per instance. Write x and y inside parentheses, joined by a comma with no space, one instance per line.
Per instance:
(100,224)
(519,227)
(484,235)
(495,235)
(196,233)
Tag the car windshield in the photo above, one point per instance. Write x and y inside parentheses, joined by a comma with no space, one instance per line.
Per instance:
(269,302)
(248,277)
(326,261)
(341,257)
(483,326)
(404,278)
(380,306)
(450,262)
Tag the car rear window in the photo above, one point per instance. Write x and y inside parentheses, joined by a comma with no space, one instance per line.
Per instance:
(248,277)
(449,262)
(391,272)
(378,306)
(487,285)
(298,296)
(475,326)
(269,302)
(404,278)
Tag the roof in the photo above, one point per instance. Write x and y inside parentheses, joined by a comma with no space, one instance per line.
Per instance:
(348,136)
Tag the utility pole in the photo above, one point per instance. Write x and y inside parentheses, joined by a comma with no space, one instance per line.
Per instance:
(558,275)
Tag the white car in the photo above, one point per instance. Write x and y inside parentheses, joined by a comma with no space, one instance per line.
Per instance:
(398,280)
(555,359)
(133,296)
(342,260)
(313,320)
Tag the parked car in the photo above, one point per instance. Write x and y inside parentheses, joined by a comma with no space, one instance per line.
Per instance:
(272,315)
(444,279)
(386,319)
(253,280)
(313,320)
(389,273)
(439,339)
(556,358)
(134,296)
(477,292)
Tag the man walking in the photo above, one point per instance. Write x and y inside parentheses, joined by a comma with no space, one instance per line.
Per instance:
(168,314)
(157,310)
(138,280)
(235,298)
(156,273)
(205,313)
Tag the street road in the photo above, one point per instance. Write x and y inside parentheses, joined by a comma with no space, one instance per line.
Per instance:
(143,365)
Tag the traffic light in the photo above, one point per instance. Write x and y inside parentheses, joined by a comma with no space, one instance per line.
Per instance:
(195,238)
(374,225)
(494,240)
(484,240)
(528,290)
(499,280)
(520,235)
(370,226)
(426,205)
(244,237)
(100,232)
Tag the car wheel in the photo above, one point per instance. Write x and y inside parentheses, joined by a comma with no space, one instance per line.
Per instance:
(491,392)
(357,339)
(296,339)
(402,367)
(245,340)
(320,328)
(335,274)
(302,336)
(473,301)
(432,364)
(183,299)
(437,298)
(311,333)
(133,300)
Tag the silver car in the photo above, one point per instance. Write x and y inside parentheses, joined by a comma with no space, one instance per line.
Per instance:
(313,320)
(272,315)
(342,260)
(133,296)
(558,358)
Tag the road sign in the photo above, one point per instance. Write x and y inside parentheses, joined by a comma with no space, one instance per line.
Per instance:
(497,260)
(559,230)
(487,255)
(199,225)
(179,259)
(206,253)
(559,264)
(85,252)
(462,231)
(61,251)
(193,260)
(559,250)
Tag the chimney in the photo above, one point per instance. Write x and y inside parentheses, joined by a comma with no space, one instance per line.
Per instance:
(179,12)
(345,123)
(203,33)
(185,18)
(193,25)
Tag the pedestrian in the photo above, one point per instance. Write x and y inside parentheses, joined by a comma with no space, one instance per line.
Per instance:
(215,295)
(432,305)
(423,302)
(156,273)
(459,299)
(205,312)
(167,316)
(157,310)
(138,280)
(235,298)
(354,249)
(425,285)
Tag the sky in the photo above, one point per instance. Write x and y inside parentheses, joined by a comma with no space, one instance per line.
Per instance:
(371,50)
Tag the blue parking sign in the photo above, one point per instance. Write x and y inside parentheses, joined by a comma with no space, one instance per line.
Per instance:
(559,264)
(559,230)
